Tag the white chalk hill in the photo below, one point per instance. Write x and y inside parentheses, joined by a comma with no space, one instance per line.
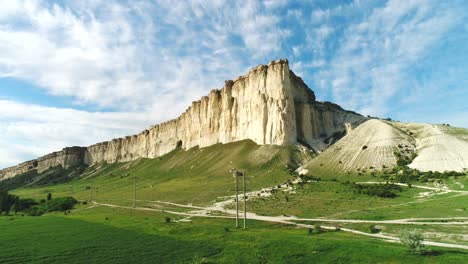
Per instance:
(439,147)
(372,146)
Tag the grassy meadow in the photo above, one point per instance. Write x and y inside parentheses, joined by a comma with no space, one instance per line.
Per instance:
(110,235)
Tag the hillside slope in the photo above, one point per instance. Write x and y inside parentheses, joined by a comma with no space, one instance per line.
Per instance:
(377,144)
(198,175)
(371,146)
(439,148)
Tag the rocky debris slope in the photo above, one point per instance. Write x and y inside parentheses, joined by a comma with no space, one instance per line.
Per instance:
(439,148)
(369,147)
(269,105)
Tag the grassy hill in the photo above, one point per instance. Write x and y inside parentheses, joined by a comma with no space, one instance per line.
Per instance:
(196,176)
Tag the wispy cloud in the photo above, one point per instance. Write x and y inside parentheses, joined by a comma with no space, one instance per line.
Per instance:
(371,65)
(147,60)
(32,130)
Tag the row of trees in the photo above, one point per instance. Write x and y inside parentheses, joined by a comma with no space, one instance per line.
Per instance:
(9,202)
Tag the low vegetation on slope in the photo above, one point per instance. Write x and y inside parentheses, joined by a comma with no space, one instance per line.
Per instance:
(195,176)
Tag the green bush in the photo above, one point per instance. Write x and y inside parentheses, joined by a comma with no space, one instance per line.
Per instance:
(373,229)
(318,228)
(414,241)
(380,190)
(35,211)
(60,204)
(24,204)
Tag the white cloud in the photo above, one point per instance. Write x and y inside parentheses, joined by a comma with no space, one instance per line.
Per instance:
(370,65)
(318,15)
(128,54)
(31,130)
(316,39)
(148,60)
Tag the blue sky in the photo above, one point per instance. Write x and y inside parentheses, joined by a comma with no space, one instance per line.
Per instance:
(81,72)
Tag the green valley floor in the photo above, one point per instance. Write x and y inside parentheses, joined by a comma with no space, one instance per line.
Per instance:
(114,235)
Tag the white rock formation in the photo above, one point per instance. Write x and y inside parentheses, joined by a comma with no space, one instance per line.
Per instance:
(437,148)
(269,105)
(371,146)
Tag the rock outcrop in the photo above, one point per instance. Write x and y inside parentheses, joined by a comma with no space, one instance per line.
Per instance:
(269,105)
(66,158)
(370,147)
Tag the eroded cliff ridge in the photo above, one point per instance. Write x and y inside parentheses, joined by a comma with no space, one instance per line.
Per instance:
(269,105)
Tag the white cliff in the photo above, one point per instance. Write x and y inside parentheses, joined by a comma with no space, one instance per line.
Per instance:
(269,105)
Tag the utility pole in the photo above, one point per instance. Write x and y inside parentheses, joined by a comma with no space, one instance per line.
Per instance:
(245,199)
(90,193)
(237,199)
(134,190)
(34,192)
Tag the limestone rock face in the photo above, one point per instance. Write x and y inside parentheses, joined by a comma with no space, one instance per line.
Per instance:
(269,105)
(66,158)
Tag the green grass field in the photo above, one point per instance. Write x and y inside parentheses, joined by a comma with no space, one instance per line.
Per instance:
(106,235)
(199,177)
(336,200)
(196,176)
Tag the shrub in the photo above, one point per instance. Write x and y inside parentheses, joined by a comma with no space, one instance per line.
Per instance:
(414,241)
(318,228)
(60,204)
(380,190)
(167,219)
(373,229)
(49,196)
(35,211)
(24,204)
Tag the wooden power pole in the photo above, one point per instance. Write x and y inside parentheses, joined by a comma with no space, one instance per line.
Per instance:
(90,193)
(236,175)
(237,199)
(134,190)
(245,199)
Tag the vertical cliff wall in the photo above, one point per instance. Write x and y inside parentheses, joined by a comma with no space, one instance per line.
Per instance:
(269,105)
(66,158)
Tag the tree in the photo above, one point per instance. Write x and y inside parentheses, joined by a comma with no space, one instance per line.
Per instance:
(6,202)
(49,196)
(414,241)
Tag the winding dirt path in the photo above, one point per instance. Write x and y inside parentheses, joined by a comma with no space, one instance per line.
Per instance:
(290,221)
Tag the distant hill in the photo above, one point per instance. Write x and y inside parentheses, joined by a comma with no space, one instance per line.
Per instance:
(377,144)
